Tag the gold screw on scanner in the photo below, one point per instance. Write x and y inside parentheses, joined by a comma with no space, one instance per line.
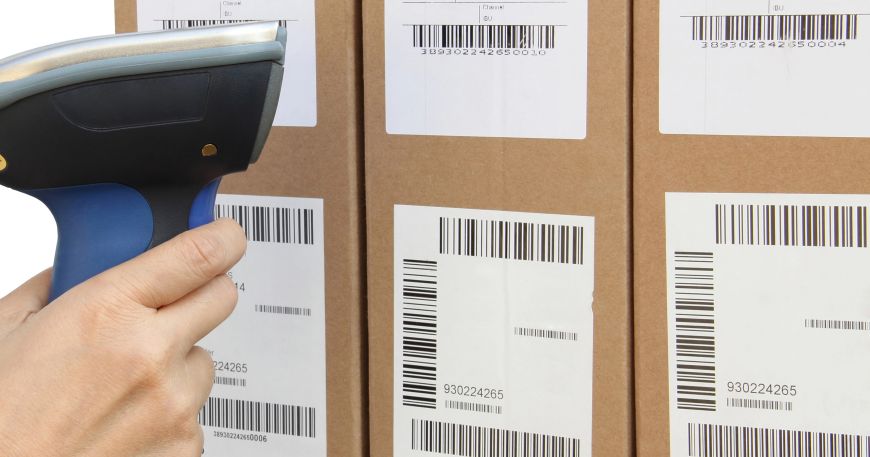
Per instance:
(2,162)
(207,151)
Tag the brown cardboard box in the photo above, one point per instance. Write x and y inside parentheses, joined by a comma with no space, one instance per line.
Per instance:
(588,177)
(325,162)
(705,164)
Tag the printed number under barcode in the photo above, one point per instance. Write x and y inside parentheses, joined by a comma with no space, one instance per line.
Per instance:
(171,24)
(709,440)
(484,36)
(260,417)
(775,27)
(475,441)
(272,224)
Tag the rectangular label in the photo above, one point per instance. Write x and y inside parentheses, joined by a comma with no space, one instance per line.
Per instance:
(269,394)
(769,325)
(493,333)
(297,106)
(764,67)
(491,69)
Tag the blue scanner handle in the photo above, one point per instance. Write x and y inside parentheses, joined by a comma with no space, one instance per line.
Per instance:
(100,226)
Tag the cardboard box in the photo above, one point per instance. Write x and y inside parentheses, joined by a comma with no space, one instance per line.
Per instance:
(707,156)
(421,166)
(323,162)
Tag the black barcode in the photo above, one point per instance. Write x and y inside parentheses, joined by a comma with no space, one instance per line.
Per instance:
(511,240)
(833,324)
(484,36)
(792,225)
(473,407)
(288,310)
(775,27)
(271,224)
(419,332)
(752,403)
(546,333)
(260,417)
(171,24)
(708,440)
(227,381)
(694,309)
(474,441)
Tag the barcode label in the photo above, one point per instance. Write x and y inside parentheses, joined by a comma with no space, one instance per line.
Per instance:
(752,403)
(484,36)
(288,310)
(545,333)
(419,332)
(474,441)
(259,417)
(832,324)
(172,24)
(792,225)
(707,440)
(473,407)
(695,330)
(227,381)
(511,240)
(271,224)
(775,27)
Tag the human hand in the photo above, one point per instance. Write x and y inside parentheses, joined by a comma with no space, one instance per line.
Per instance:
(110,367)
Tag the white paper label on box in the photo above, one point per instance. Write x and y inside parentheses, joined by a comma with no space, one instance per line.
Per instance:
(489,69)
(493,333)
(769,325)
(269,393)
(297,106)
(764,67)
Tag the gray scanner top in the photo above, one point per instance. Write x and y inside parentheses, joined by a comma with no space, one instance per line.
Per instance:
(88,59)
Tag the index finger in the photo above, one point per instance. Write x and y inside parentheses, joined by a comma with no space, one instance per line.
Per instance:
(175,268)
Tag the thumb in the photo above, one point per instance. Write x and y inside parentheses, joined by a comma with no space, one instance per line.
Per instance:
(24,301)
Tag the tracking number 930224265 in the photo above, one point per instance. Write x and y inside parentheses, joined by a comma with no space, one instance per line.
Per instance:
(230,367)
(472,391)
(761,388)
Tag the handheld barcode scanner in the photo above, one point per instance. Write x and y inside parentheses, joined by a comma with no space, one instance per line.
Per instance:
(125,138)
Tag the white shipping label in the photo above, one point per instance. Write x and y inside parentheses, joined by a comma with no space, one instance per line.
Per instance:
(269,393)
(490,69)
(297,106)
(769,325)
(492,333)
(764,67)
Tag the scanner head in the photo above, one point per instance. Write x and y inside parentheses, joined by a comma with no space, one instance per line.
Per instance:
(144,109)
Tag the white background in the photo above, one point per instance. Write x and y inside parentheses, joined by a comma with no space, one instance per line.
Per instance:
(521,96)
(27,230)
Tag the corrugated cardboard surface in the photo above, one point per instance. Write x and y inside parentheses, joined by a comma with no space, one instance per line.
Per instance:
(696,163)
(588,177)
(324,162)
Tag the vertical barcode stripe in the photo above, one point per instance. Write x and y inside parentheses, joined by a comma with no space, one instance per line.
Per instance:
(419,333)
(483,36)
(791,225)
(258,417)
(775,27)
(713,440)
(172,24)
(695,330)
(269,224)
(511,240)
(476,441)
